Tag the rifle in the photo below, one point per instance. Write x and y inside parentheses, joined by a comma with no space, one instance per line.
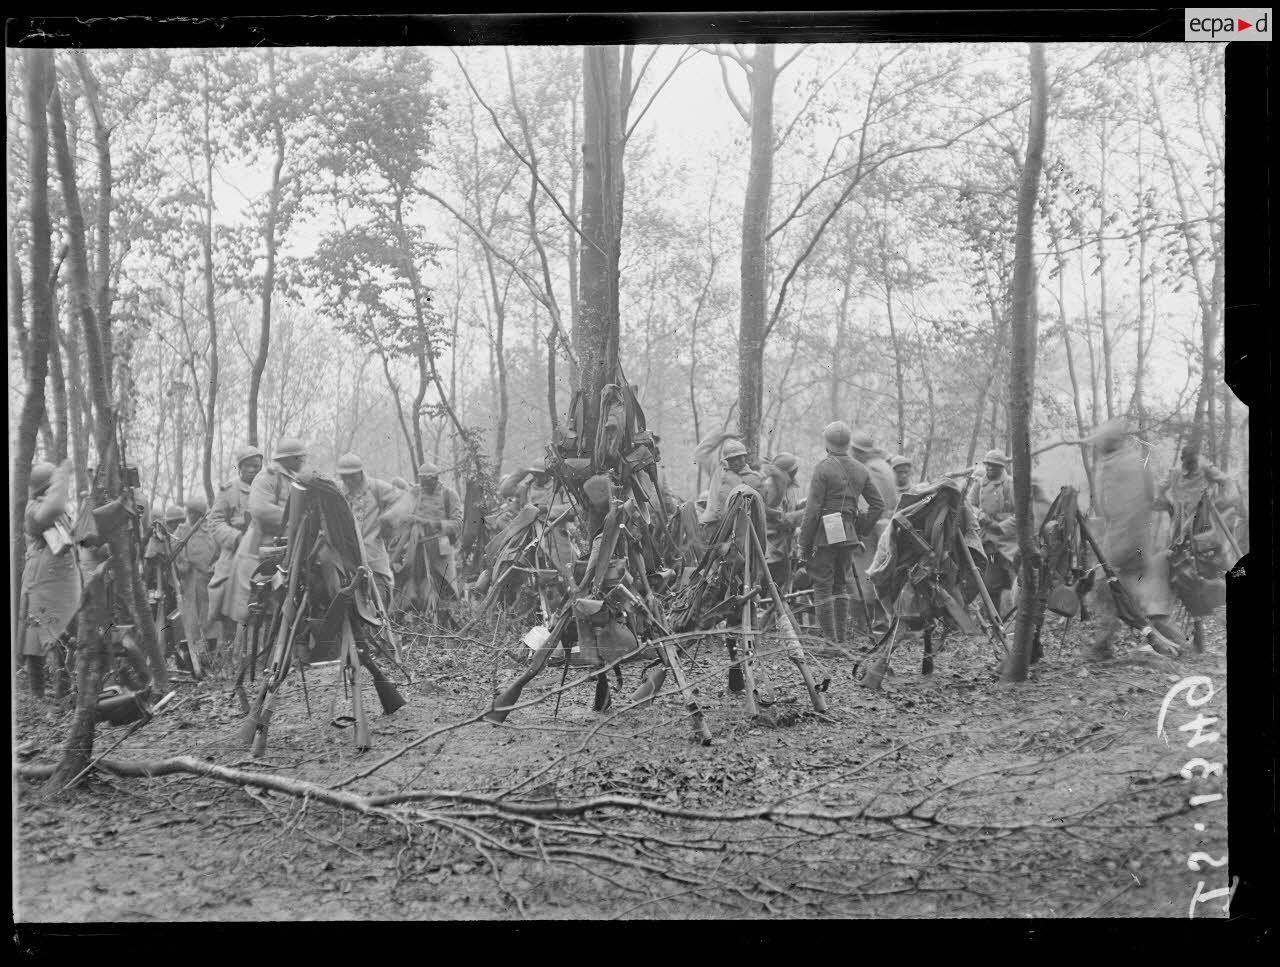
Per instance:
(1129,612)
(258,721)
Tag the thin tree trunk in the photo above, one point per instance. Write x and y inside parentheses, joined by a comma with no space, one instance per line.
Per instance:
(840,350)
(58,379)
(38,66)
(210,311)
(1107,372)
(1022,372)
(1139,403)
(102,213)
(755,252)
(269,236)
(899,379)
(1086,454)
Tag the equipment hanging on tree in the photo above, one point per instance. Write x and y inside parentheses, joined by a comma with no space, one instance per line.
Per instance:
(330,607)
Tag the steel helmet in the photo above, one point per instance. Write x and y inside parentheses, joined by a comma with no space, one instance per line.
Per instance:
(836,436)
(197,503)
(996,457)
(41,477)
(538,465)
(399,483)
(861,440)
(174,512)
(428,469)
(289,447)
(733,448)
(899,461)
(247,453)
(786,462)
(349,463)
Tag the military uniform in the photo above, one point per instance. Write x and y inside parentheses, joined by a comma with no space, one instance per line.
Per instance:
(50,589)
(837,483)
(781,520)
(268,496)
(1126,500)
(999,529)
(368,503)
(195,563)
(228,521)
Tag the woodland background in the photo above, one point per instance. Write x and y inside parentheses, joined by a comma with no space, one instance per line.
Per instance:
(377,249)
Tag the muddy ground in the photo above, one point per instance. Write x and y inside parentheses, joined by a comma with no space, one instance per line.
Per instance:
(947,796)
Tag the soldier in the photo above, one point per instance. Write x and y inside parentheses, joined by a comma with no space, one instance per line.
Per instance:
(731,471)
(1183,487)
(438,510)
(832,526)
(1125,498)
(901,468)
(997,523)
(864,450)
(268,496)
(196,555)
(534,485)
(50,589)
(781,516)
(228,521)
(370,498)
(157,557)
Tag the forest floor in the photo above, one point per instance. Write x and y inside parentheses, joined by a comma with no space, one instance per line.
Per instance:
(946,796)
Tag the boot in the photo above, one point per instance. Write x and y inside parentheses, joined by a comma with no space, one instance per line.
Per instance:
(1102,649)
(826,614)
(35,674)
(841,611)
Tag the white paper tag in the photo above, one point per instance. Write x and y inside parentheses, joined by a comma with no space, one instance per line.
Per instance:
(833,525)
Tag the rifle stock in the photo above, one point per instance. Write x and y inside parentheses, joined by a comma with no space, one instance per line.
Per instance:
(388,695)
(502,703)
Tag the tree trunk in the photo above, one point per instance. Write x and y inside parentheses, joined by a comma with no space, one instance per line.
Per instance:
(102,214)
(840,349)
(1103,324)
(899,380)
(78,403)
(1022,372)
(38,66)
(755,251)
(210,312)
(269,237)
(596,336)
(1086,453)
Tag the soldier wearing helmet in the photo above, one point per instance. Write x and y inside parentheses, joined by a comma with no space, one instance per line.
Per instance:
(534,485)
(228,520)
(428,568)
(370,498)
(901,467)
(50,588)
(863,449)
(268,496)
(993,501)
(781,496)
(730,471)
(196,554)
(832,527)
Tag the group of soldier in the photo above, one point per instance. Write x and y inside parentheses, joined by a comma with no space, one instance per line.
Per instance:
(200,560)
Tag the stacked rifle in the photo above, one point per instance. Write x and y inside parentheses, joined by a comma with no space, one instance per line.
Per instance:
(327,602)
